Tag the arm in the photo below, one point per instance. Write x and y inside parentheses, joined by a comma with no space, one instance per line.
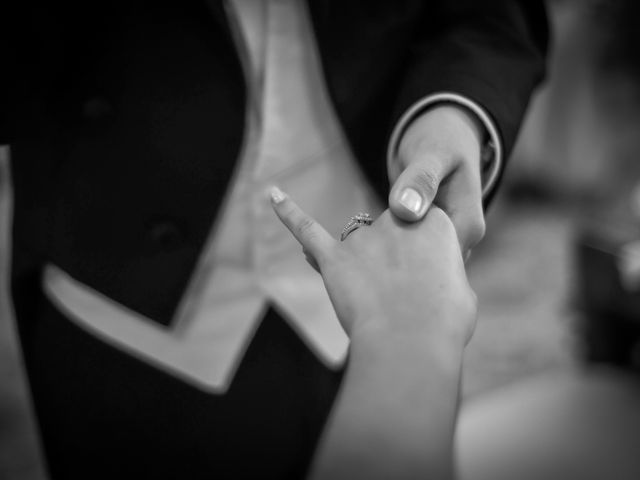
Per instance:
(395,414)
(396,411)
(490,52)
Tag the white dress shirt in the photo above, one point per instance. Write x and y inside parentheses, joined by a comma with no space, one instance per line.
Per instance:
(250,262)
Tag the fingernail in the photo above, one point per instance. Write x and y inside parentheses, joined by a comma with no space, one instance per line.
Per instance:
(277,195)
(411,200)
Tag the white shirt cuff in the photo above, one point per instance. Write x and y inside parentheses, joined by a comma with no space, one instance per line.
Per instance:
(491,152)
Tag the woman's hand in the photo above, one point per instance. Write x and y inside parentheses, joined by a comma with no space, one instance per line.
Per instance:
(401,293)
(405,279)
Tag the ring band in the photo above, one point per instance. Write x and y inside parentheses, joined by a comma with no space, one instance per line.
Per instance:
(354,223)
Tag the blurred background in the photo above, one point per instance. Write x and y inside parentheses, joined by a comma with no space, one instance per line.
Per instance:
(574,167)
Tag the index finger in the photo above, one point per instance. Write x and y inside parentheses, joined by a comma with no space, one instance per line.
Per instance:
(309,233)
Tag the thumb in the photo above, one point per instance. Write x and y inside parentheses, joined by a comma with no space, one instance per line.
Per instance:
(415,188)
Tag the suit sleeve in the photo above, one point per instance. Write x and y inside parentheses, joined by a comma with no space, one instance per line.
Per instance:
(492,53)
(6,70)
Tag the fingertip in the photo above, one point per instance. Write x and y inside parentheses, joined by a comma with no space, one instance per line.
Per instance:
(438,214)
(276,195)
(411,200)
(408,204)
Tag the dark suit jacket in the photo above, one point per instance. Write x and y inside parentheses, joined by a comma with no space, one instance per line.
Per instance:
(125,119)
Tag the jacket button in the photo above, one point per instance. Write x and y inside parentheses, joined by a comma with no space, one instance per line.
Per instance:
(166,235)
(96,108)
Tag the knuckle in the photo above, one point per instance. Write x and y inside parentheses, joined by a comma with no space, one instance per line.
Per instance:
(469,302)
(385,220)
(440,219)
(426,180)
(476,230)
(464,297)
(306,227)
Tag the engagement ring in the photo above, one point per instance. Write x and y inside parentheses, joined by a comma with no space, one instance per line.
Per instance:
(355,223)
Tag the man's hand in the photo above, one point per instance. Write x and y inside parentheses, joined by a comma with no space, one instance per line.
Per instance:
(438,161)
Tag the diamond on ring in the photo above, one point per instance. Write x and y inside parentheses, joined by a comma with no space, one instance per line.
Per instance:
(354,223)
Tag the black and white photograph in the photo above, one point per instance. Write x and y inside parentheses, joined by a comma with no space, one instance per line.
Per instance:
(320,240)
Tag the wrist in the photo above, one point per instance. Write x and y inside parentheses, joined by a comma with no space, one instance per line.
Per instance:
(446,130)
(380,335)
(404,360)
(491,156)
(447,319)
